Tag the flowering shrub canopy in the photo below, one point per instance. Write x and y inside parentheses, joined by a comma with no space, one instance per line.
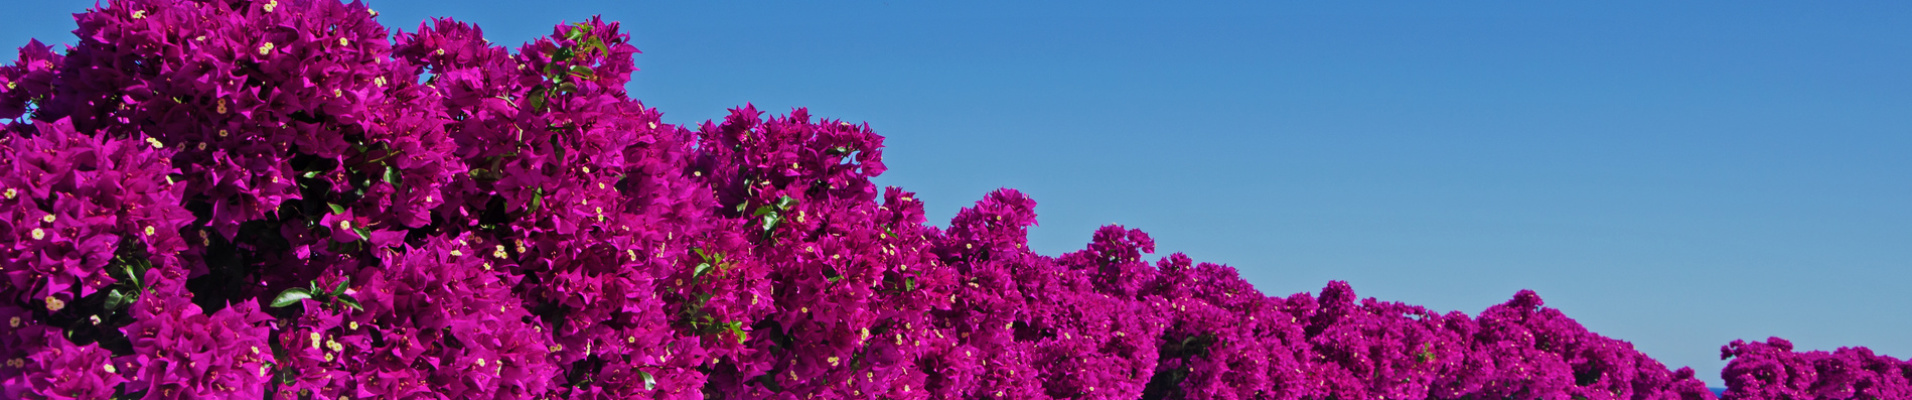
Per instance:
(280,199)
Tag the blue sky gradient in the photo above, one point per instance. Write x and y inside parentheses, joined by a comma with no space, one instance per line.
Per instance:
(1674,175)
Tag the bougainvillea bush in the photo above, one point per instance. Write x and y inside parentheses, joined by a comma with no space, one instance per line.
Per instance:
(281,199)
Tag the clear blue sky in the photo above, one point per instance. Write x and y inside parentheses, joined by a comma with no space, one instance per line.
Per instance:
(1678,176)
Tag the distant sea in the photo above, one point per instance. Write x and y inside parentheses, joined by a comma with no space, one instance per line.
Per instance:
(1718,391)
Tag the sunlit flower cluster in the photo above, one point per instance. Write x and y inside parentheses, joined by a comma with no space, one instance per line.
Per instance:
(1772,370)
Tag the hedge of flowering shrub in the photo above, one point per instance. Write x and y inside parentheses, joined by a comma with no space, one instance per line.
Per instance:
(279,199)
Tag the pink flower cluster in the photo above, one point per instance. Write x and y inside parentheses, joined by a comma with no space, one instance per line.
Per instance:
(1772,370)
(279,199)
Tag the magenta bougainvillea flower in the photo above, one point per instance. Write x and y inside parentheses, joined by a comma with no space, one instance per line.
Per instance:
(283,199)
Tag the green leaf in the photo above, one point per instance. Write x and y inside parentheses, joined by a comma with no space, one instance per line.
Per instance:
(340,289)
(336,209)
(391,176)
(348,301)
(115,299)
(578,31)
(537,98)
(701,268)
(537,200)
(770,221)
(593,44)
(132,275)
(583,72)
(650,382)
(364,234)
(737,329)
(290,297)
(786,202)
